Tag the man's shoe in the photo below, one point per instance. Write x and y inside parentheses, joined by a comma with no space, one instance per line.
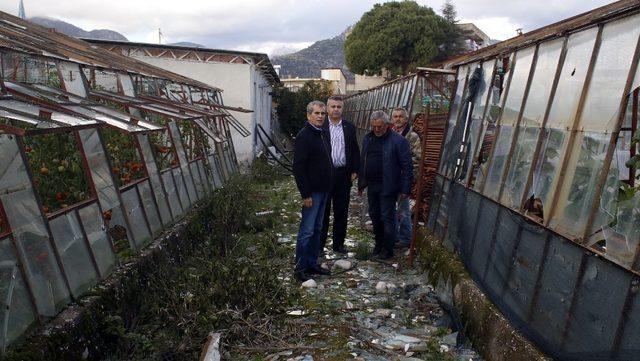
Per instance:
(301,276)
(317,270)
(385,255)
(400,245)
(340,250)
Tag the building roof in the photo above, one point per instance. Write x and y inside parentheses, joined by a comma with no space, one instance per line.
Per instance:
(29,38)
(261,60)
(473,32)
(558,29)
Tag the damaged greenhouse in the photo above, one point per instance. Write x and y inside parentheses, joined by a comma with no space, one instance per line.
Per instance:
(100,153)
(537,187)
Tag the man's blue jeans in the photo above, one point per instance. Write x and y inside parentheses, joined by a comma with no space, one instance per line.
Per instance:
(308,242)
(404,222)
(382,210)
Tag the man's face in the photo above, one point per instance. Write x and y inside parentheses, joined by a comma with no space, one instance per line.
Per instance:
(334,108)
(379,127)
(398,118)
(317,116)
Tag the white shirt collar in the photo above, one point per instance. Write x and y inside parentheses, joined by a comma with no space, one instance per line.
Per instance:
(335,125)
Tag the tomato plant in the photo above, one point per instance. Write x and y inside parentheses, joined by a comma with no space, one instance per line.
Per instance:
(126,162)
(193,140)
(163,149)
(58,175)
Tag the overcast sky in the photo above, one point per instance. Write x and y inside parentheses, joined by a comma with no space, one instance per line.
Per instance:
(277,26)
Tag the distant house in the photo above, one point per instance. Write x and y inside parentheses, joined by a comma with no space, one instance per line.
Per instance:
(474,38)
(335,77)
(247,78)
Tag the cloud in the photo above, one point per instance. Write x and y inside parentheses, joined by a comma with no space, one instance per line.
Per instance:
(274,25)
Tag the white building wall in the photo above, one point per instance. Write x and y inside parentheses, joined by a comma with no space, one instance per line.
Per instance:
(236,81)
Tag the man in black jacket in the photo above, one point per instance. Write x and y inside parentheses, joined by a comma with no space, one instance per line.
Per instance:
(345,156)
(312,169)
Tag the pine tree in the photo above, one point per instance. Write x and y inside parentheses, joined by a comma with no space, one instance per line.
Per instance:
(454,41)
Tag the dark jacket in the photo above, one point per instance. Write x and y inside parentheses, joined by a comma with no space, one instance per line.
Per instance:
(351,149)
(397,172)
(312,167)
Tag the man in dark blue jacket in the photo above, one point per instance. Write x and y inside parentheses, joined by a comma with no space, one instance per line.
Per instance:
(312,169)
(386,173)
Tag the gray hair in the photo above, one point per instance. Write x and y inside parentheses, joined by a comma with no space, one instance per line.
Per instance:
(315,103)
(403,110)
(380,115)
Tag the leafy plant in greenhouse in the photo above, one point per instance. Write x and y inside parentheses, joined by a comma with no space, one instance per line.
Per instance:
(126,162)
(193,140)
(163,149)
(56,165)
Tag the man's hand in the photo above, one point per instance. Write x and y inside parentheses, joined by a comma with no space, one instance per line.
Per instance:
(354,176)
(360,192)
(403,196)
(307,202)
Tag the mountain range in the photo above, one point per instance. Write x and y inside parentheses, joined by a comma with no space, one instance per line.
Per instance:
(305,63)
(72,30)
(308,62)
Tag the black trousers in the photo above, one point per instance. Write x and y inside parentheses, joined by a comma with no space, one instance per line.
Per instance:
(338,200)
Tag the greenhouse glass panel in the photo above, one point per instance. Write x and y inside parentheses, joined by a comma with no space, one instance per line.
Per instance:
(73,251)
(512,105)
(488,136)
(532,118)
(475,128)
(30,232)
(133,207)
(172,193)
(99,168)
(601,107)
(599,117)
(94,227)
(185,201)
(149,207)
(17,312)
(456,107)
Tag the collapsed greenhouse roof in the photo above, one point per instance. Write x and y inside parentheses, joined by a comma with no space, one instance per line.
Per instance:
(29,38)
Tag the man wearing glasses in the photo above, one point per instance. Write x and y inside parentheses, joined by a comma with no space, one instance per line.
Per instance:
(312,169)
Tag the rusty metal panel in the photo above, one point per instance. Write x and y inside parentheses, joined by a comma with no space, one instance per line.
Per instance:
(506,239)
(553,301)
(526,265)
(481,247)
(598,308)
(630,341)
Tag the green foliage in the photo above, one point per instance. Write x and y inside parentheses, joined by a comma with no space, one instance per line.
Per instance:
(436,260)
(397,36)
(292,106)
(58,174)
(217,274)
(454,41)
(126,161)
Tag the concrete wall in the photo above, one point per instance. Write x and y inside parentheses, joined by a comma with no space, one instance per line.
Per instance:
(364,82)
(243,86)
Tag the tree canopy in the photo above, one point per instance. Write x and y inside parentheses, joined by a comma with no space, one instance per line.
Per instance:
(292,107)
(398,37)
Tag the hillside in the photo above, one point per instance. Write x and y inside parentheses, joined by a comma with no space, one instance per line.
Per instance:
(72,30)
(308,62)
